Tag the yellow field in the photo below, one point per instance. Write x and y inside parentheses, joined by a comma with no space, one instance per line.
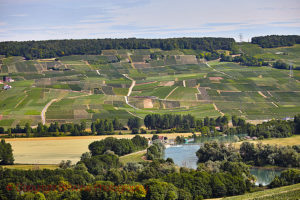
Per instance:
(30,167)
(52,150)
(294,140)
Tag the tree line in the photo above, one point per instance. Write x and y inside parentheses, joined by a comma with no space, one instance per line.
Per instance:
(98,127)
(273,41)
(56,48)
(183,123)
(166,123)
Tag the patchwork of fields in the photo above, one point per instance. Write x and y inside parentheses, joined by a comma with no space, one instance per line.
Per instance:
(93,86)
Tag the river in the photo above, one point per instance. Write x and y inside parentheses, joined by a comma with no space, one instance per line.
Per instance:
(184,155)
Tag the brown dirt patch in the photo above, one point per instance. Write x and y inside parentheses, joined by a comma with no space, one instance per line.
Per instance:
(167,83)
(148,103)
(215,78)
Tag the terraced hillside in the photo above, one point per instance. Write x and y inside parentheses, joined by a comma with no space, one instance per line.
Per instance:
(87,87)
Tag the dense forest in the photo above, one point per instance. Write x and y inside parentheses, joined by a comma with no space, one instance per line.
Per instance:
(273,41)
(57,48)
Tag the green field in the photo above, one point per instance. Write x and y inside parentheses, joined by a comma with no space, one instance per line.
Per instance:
(291,192)
(134,157)
(93,86)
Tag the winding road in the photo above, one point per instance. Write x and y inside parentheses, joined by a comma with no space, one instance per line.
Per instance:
(43,113)
(129,91)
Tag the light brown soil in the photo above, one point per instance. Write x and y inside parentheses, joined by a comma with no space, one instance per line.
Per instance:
(167,83)
(148,103)
(261,94)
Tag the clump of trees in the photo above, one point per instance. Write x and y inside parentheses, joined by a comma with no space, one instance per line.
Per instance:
(134,124)
(155,151)
(118,146)
(102,127)
(179,139)
(287,177)
(270,129)
(216,151)
(279,64)
(273,41)
(233,178)
(244,60)
(6,155)
(259,155)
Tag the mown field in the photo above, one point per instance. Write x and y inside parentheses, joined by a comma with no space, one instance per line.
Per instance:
(134,157)
(93,86)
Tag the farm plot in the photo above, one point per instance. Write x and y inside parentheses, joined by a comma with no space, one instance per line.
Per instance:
(139,58)
(145,86)
(109,112)
(184,94)
(186,59)
(120,91)
(249,97)
(61,110)
(260,110)
(26,66)
(160,92)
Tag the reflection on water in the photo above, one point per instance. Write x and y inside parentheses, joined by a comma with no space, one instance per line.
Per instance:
(264,176)
(185,156)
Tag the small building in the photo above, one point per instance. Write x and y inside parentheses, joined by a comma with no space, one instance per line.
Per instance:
(8,79)
(288,118)
(218,128)
(7,87)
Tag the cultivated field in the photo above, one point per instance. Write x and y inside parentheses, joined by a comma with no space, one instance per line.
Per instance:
(93,86)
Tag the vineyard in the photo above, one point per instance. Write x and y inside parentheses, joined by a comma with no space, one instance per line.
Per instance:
(93,86)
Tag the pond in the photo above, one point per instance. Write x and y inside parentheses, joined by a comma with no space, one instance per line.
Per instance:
(184,155)
(264,176)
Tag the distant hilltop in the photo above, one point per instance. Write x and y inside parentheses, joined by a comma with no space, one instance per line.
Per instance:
(57,48)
